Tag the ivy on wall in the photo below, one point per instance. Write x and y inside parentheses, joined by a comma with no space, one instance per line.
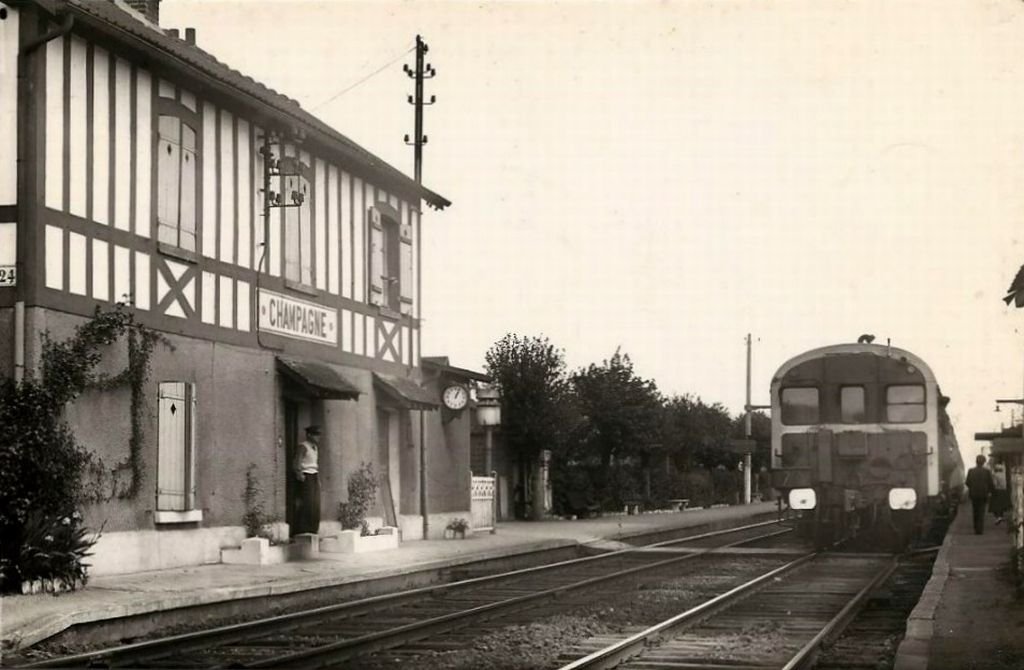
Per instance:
(68,372)
(45,474)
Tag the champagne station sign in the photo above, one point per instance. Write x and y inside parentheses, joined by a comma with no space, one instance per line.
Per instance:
(288,316)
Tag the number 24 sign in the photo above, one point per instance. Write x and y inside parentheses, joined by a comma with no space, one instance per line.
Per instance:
(7,276)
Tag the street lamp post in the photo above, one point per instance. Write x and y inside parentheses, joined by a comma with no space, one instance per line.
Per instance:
(488,415)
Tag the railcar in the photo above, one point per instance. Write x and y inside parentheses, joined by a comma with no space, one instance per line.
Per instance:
(862,446)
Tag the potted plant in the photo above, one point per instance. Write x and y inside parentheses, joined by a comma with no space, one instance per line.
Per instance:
(455,527)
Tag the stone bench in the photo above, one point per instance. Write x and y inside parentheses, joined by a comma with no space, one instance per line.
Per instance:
(679,504)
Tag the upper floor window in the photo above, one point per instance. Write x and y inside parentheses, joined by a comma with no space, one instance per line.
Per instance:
(177,166)
(390,266)
(800,405)
(851,404)
(298,226)
(905,403)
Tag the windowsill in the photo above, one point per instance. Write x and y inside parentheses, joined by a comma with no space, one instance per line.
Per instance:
(189,516)
(177,252)
(301,288)
(389,313)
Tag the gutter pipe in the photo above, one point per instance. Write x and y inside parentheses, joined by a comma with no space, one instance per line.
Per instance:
(67,22)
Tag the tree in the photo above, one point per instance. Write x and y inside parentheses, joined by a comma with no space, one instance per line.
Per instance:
(695,433)
(619,410)
(761,433)
(530,374)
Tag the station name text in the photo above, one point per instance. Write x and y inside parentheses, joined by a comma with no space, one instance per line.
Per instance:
(297,318)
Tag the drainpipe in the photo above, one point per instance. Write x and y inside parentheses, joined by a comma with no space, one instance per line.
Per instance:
(67,21)
(19,340)
(423,475)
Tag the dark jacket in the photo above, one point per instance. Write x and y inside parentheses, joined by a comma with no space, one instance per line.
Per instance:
(980,482)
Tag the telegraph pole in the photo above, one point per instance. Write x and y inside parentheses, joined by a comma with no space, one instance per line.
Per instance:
(748,408)
(746,433)
(422,71)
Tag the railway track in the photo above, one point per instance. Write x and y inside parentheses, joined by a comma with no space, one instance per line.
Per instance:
(331,635)
(777,620)
(871,640)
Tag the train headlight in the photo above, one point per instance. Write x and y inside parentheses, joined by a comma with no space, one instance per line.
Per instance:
(902,499)
(803,499)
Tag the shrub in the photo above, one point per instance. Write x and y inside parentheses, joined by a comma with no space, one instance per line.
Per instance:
(40,478)
(55,548)
(362,491)
(255,511)
(698,487)
(622,484)
(42,467)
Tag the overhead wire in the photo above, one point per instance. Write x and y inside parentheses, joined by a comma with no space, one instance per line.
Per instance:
(383,67)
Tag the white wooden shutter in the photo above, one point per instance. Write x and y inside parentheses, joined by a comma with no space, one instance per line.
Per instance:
(405,281)
(190,448)
(168,166)
(173,426)
(376,257)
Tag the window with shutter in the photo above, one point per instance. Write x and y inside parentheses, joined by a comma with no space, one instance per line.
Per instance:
(298,247)
(177,158)
(390,265)
(175,446)
(405,281)
(376,264)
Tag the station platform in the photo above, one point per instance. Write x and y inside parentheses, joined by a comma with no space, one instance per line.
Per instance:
(28,619)
(968,617)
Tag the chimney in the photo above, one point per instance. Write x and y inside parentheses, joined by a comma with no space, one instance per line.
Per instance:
(190,36)
(148,8)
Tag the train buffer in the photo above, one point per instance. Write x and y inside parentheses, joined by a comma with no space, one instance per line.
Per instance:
(679,504)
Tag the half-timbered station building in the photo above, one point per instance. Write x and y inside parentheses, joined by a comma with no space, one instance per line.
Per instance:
(278,259)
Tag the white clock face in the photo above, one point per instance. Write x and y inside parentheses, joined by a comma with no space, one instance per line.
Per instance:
(455,397)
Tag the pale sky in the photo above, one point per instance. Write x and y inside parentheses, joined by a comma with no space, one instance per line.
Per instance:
(665,177)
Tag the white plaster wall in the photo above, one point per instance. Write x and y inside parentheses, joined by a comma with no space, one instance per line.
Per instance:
(9,107)
(137,551)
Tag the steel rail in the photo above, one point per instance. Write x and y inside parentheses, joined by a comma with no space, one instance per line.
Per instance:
(345,649)
(614,654)
(203,639)
(805,656)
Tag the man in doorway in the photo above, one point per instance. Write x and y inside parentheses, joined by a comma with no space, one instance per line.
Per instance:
(307,471)
(980,486)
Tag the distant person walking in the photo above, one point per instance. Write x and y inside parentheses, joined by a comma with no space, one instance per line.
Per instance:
(980,486)
(1000,501)
(307,471)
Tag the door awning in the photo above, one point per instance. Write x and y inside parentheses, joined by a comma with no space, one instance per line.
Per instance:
(318,379)
(405,393)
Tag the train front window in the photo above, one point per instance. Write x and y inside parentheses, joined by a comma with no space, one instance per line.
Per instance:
(799,406)
(851,404)
(904,404)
